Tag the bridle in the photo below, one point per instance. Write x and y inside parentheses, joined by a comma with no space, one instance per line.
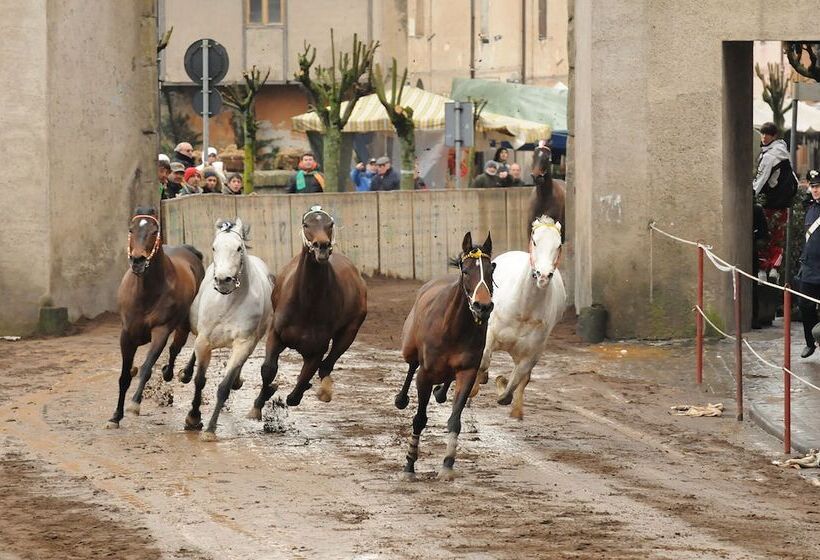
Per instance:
(228,227)
(316,210)
(157,241)
(476,254)
(543,175)
(533,271)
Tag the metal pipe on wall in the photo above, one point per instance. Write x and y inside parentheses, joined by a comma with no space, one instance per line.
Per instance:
(472,39)
(523,41)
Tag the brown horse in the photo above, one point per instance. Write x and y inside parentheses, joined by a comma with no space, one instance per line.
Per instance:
(154,297)
(443,337)
(550,194)
(319,297)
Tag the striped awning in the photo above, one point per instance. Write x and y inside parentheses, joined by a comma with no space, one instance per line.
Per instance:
(428,114)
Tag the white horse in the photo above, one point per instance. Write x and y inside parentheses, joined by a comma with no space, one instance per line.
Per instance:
(529,301)
(232,309)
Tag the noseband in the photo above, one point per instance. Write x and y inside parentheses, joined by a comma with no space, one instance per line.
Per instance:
(533,270)
(476,254)
(157,242)
(315,210)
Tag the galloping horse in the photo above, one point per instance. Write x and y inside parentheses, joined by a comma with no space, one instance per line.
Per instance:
(529,301)
(319,297)
(235,313)
(154,297)
(443,337)
(550,194)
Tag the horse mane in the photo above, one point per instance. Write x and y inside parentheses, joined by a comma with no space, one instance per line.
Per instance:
(228,225)
(145,210)
(543,219)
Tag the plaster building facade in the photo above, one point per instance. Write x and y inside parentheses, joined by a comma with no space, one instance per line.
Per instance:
(78,129)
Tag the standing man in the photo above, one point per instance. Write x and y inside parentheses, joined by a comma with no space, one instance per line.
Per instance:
(489,178)
(776,184)
(174,184)
(163,172)
(362,175)
(184,154)
(515,176)
(809,273)
(307,179)
(386,178)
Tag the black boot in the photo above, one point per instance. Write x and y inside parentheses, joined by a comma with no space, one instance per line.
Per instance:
(807,351)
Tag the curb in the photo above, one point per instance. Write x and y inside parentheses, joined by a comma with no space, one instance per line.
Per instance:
(774,428)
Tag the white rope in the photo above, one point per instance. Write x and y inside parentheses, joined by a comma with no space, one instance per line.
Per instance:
(670,236)
(699,310)
(651,264)
(790,372)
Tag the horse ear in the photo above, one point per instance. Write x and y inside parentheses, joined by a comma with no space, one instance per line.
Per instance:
(488,244)
(467,244)
(218,224)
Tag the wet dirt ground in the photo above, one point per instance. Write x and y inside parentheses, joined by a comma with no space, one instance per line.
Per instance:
(597,468)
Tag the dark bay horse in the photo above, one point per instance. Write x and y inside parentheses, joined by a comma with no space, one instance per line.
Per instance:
(443,338)
(319,297)
(549,197)
(154,298)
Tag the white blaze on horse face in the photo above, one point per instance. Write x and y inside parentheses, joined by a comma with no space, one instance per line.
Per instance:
(143,222)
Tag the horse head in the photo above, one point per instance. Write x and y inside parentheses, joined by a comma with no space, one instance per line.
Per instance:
(230,245)
(541,165)
(477,276)
(317,233)
(545,249)
(144,239)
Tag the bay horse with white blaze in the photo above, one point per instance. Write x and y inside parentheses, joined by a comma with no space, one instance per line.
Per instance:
(232,309)
(154,297)
(443,338)
(549,196)
(319,298)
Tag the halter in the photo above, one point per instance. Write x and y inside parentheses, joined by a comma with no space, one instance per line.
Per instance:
(228,227)
(533,271)
(546,172)
(476,254)
(157,241)
(315,210)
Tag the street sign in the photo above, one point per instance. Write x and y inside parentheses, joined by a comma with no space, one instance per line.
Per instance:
(217,61)
(214,102)
(458,124)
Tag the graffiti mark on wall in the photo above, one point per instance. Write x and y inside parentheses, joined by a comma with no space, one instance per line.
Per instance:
(610,208)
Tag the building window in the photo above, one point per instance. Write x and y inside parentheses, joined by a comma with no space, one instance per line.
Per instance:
(542,19)
(415,21)
(265,12)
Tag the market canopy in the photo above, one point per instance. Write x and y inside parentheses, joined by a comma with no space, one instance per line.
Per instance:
(428,114)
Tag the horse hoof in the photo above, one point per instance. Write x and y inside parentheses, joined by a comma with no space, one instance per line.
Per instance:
(112,425)
(440,394)
(293,400)
(208,436)
(255,414)
(167,372)
(192,423)
(402,400)
(505,399)
(446,474)
(133,371)
(482,378)
(325,391)
(238,384)
(473,391)
(133,408)
(408,476)
(517,413)
(185,375)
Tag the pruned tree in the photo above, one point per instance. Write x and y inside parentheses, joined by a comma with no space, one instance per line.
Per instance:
(242,98)
(478,107)
(775,86)
(402,119)
(795,52)
(348,78)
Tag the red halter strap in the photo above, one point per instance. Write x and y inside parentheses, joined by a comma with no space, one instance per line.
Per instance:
(157,241)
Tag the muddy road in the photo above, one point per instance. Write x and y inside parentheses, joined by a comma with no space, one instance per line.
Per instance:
(597,468)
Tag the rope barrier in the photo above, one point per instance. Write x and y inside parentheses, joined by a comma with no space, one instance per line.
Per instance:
(699,310)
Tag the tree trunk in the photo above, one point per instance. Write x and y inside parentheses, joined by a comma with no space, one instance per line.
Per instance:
(250,152)
(408,160)
(331,154)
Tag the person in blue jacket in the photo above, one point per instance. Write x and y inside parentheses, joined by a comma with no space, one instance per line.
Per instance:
(809,273)
(362,175)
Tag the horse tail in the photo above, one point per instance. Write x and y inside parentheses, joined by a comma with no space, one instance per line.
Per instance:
(195,251)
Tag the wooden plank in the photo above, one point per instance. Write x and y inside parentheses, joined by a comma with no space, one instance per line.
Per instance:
(173,228)
(462,216)
(396,248)
(422,236)
(492,217)
(518,200)
(201,213)
(270,220)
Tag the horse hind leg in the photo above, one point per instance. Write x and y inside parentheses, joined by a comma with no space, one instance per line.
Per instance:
(188,371)
(180,338)
(270,367)
(424,388)
(159,337)
(202,351)
(506,387)
(239,355)
(440,392)
(464,385)
(309,367)
(127,348)
(340,345)
(517,411)
(402,400)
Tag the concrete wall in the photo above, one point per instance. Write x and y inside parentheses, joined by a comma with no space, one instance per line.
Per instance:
(78,123)
(662,138)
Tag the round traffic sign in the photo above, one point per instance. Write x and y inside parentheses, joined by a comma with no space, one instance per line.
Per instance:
(217,61)
(214,102)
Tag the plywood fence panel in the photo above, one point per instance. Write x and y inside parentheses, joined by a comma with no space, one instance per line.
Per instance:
(518,199)
(201,213)
(173,217)
(396,248)
(492,217)
(270,220)
(430,234)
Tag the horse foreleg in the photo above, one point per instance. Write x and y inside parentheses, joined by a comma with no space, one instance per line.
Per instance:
(506,387)
(180,338)
(159,338)
(239,354)
(188,371)
(202,351)
(341,342)
(518,398)
(440,392)
(484,368)
(464,385)
(127,348)
(270,367)
(309,367)
(402,400)
(424,388)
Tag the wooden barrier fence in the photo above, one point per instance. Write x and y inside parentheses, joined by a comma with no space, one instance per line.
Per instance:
(398,234)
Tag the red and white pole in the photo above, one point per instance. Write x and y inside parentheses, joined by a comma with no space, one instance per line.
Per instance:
(699,322)
(787,365)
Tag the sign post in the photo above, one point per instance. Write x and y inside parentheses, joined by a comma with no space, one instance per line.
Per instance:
(206,61)
(205,95)
(458,130)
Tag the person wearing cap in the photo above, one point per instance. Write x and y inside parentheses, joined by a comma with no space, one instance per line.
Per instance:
(307,180)
(362,174)
(184,154)
(489,178)
(213,162)
(386,178)
(191,182)
(163,171)
(809,273)
(213,182)
(175,179)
